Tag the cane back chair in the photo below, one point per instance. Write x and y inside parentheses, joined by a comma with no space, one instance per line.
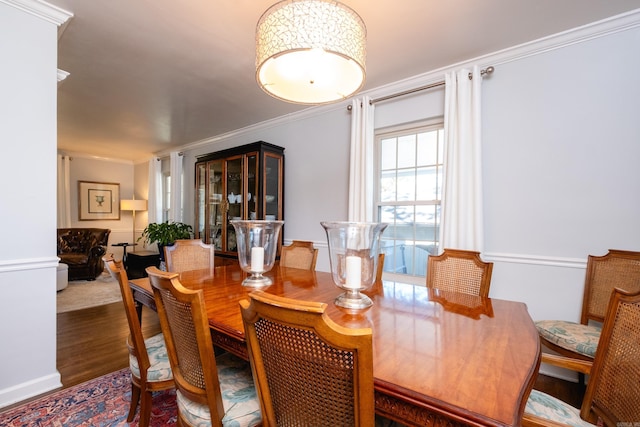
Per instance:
(579,341)
(458,270)
(188,254)
(148,360)
(612,397)
(209,390)
(308,370)
(299,254)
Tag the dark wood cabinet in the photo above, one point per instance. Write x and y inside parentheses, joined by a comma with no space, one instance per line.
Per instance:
(245,182)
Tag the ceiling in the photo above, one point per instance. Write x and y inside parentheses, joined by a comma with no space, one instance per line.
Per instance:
(147,76)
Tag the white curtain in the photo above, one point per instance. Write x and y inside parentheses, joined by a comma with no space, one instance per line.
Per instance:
(154,203)
(175,210)
(64,192)
(461,216)
(361,161)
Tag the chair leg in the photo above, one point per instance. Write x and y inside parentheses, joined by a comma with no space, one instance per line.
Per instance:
(145,409)
(135,398)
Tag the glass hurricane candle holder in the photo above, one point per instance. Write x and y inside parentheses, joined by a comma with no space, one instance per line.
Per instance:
(257,246)
(353,253)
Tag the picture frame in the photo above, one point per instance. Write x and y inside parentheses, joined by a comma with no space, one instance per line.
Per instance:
(98,201)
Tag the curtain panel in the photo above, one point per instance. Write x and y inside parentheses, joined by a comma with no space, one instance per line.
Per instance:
(154,209)
(361,161)
(462,212)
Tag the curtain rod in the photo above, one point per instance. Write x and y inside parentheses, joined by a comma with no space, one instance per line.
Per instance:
(484,72)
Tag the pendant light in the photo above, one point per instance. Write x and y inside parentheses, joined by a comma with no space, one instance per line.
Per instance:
(310,51)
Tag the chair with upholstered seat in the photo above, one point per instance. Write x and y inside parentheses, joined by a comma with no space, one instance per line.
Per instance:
(148,360)
(299,254)
(209,390)
(579,341)
(308,370)
(188,254)
(612,397)
(458,270)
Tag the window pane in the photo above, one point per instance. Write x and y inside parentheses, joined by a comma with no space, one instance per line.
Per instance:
(427,188)
(388,186)
(406,151)
(427,148)
(388,154)
(406,184)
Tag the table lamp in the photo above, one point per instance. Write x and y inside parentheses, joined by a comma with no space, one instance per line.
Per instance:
(133,205)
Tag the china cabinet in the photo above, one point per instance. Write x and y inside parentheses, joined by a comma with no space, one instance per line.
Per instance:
(243,182)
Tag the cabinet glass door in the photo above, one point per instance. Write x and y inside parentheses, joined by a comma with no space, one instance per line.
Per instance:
(252,187)
(234,199)
(215,203)
(201,201)
(272,187)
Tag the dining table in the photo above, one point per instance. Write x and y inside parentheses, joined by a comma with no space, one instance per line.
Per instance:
(439,358)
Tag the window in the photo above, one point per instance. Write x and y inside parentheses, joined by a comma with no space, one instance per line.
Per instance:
(409,192)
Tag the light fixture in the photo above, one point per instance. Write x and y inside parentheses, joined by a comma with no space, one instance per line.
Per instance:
(133,205)
(310,51)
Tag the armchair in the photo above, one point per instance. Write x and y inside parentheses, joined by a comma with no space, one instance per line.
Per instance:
(82,250)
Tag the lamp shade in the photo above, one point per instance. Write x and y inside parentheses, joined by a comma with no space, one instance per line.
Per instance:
(133,205)
(310,51)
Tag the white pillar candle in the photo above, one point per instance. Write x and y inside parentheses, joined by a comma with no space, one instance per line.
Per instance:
(257,259)
(354,268)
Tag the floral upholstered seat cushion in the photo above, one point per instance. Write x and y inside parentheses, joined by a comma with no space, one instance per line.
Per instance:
(160,369)
(550,408)
(573,336)
(239,398)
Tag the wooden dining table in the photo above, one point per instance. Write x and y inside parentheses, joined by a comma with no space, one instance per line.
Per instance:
(439,358)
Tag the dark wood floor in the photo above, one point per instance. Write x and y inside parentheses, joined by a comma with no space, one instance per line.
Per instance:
(91,343)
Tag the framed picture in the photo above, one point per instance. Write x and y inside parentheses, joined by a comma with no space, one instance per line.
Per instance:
(98,201)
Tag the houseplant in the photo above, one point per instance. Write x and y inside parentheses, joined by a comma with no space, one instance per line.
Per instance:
(165,234)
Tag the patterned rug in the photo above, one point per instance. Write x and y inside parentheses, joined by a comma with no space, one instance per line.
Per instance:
(100,402)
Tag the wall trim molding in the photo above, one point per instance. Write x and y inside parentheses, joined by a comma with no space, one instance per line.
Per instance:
(548,261)
(28,264)
(42,10)
(611,25)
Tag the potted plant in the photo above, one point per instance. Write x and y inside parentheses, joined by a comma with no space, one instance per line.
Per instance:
(165,234)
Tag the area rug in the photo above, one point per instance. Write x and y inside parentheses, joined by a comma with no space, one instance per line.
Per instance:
(100,402)
(81,294)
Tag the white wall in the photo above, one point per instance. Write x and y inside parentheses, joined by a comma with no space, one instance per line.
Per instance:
(93,169)
(28,261)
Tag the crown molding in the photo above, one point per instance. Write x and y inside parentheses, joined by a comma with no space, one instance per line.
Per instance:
(61,75)
(42,10)
(77,155)
(602,28)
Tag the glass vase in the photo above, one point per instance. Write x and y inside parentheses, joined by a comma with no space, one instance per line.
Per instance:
(353,253)
(257,246)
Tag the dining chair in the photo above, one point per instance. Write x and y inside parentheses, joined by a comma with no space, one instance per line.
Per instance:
(188,254)
(210,390)
(148,360)
(459,270)
(612,397)
(579,341)
(308,370)
(299,254)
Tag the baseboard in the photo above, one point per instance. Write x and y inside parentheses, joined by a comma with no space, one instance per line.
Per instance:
(29,389)
(555,372)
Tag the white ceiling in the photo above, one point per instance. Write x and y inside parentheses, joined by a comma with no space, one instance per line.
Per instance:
(150,75)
